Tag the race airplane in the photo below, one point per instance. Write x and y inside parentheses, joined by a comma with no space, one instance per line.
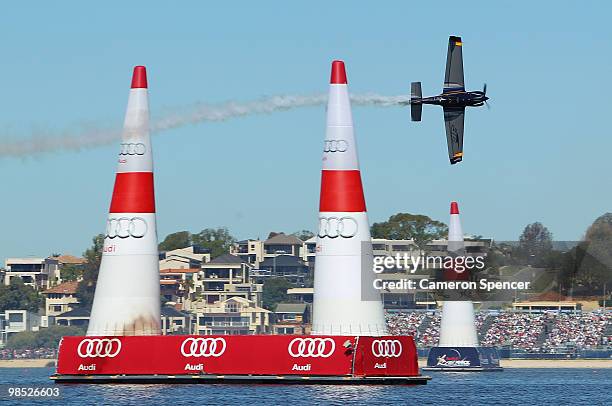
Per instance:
(454,99)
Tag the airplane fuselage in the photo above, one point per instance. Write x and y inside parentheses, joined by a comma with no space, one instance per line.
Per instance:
(455,99)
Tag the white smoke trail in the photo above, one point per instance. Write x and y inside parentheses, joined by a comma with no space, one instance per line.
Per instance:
(90,137)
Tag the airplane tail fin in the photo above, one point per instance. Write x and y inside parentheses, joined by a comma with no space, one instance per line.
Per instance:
(415,90)
(416,108)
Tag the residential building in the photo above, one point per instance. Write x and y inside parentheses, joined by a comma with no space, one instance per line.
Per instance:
(282,244)
(225,277)
(61,298)
(301,295)
(179,285)
(64,262)
(310,251)
(184,258)
(78,316)
(291,318)
(254,252)
(174,321)
(289,267)
(250,251)
(235,315)
(17,321)
(40,273)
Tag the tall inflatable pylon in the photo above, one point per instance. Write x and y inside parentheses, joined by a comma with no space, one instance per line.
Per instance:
(458,349)
(458,324)
(345,301)
(127,297)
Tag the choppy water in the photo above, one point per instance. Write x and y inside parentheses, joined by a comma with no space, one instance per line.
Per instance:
(511,387)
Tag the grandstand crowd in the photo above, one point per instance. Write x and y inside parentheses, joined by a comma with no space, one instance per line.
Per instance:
(531,332)
(47,353)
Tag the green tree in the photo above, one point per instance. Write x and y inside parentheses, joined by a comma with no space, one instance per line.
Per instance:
(71,273)
(87,286)
(535,243)
(50,337)
(44,338)
(186,286)
(22,341)
(405,226)
(303,234)
(19,296)
(588,266)
(274,292)
(180,239)
(218,240)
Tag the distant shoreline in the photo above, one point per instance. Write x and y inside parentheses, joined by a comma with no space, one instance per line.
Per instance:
(548,363)
(27,363)
(506,363)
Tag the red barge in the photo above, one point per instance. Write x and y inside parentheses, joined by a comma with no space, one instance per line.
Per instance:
(275,359)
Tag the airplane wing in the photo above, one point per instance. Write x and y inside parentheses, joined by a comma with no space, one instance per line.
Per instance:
(453,78)
(453,121)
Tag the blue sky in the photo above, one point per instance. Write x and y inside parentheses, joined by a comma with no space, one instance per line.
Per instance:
(542,153)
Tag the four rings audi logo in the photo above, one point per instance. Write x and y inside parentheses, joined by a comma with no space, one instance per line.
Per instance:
(99,348)
(203,347)
(131,148)
(124,227)
(311,347)
(386,348)
(335,146)
(334,227)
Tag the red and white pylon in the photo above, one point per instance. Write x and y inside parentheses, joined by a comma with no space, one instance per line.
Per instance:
(345,301)
(458,324)
(127,297)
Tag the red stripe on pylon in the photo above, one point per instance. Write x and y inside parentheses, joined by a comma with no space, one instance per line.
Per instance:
(342,191)
(139,78)
(338,74)
(454,208)
(133,193)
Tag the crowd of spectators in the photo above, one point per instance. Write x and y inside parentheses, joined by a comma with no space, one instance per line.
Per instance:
(404,324)
(584,330)
(532,332)
(424,327)
(430,333)
(47,353)
(518,330)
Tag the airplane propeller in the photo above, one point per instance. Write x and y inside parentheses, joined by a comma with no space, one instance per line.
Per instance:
(484,92)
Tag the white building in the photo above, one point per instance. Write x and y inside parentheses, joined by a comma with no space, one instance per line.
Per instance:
(254,252)
(235,315)
(17,321)
(61,298)
(40,273)
(184,258)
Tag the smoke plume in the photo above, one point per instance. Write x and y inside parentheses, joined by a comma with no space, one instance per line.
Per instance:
(93,136)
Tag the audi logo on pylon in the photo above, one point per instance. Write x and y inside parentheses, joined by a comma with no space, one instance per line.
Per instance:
(203,347)
(131,148)
(311,347)
(335,146)
(99,348)
(386,348)
(334,227)
(124,227)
